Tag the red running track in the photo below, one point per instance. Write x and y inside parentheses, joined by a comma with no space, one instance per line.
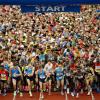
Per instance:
(54,96)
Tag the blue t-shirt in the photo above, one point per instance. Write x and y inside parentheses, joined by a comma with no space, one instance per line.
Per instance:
(15,71)
(59,73)
(6,66)
(41,74)
(28,70)
(42,57)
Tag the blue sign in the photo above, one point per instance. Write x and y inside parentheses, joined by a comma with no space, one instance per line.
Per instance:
(46,2)
(59,8)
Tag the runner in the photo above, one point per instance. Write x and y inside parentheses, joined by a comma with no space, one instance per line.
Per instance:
(29,73)
(78,79)
(89,77)
(7,68)
(3,80)
(48,69)
(59,71)
(41,78)
(67,75)
(16,76)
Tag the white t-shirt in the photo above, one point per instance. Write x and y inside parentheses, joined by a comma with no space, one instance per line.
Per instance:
(48,67)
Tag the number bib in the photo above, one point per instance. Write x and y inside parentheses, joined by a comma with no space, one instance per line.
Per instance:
(3,77)
(60,77)
(67,74)
(58,74)
(42,76)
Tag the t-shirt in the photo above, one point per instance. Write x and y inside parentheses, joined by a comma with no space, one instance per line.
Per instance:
(73,67)
(15,71)
(42,57)
(28,70)
(48,67)
(6,66)
(59,73)
(3,75)
(41,74)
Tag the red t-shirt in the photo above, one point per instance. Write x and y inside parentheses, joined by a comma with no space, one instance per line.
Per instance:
(73,67)
(3,75)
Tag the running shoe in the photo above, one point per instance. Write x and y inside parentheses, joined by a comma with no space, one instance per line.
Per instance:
(62,93)
(89,93)
(30,93)
(77,95)
(21,94)
(67,90)
(49,93)
(72,94)
(42,96)
(4,94)
(81,91)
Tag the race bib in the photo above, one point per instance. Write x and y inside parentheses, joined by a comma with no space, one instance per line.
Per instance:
(42,76)
(58,74)
(80,77)
(60,77)
(3,77)
(67,74)
(14,75)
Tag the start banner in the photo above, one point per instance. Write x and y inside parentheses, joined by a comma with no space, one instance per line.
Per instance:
(47,8)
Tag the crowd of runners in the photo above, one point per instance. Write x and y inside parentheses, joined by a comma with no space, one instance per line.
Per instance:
(49,52)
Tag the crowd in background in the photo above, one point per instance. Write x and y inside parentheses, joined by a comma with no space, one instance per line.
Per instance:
(71,39)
